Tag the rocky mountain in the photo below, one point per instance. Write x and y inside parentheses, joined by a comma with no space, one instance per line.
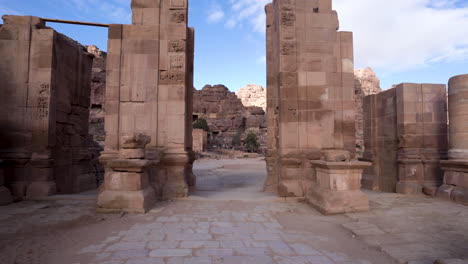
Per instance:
(365,83)
(227,117)
(253,95)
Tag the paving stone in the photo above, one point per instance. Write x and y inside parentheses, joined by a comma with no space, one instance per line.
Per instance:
(163,244)
(186,237)
(280,248)
(133,253)
(126,246)
(303,249)
(170,252)
(232,244)
(200,244)
(215,252)
(243,260)
(146,260)
(251,251)
(190,260)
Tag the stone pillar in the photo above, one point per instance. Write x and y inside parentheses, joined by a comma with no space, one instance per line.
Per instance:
(455,185)
(5,194)
(148,94)
(45,97)
(272,111)
(310,96)
(422,135)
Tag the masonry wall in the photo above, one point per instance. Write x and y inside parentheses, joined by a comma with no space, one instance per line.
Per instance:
(45,93)
(405,138)
(310,91)
(148,106)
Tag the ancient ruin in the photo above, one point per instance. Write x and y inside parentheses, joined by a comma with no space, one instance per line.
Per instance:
(46,93)
(405,138)
(136,103)
(455,183)
(229,120)
(113,132)
(148,150)
(310,94)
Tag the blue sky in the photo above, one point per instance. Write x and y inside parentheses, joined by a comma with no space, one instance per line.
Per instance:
(402,40)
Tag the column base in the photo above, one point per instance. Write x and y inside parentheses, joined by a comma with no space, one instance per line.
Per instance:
(5,196)
(126,186)
(177,172)
(111,201)
(337,189)
(330,202)
(41,189)
(455,187)
(409,188)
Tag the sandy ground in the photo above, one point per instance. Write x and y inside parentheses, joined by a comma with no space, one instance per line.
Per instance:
(229,220)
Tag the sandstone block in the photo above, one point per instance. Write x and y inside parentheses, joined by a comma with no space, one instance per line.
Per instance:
(445,191)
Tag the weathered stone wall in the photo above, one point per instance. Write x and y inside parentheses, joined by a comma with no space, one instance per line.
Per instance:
(45,98)
(311,83)
(365,83)
(200,140)
(227,117)
(405,138)
(253,95)
(455,185)
(98,95)
(147,110)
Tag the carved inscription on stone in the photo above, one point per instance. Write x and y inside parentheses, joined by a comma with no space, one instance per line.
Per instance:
(288,47)
(177,61)
(172,77)
(43,101)
(178,16)
(288,18)
(176,46)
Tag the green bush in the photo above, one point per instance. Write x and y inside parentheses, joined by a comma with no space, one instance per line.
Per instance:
(237,139)
(251,142)
(201,124)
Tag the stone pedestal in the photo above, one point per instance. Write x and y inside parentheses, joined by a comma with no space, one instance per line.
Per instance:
(455,185)
(178,175)
(5,194)
(338,187)
(455,169)
(126,186)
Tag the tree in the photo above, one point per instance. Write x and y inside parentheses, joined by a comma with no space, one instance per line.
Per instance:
(201,124)
(251,142)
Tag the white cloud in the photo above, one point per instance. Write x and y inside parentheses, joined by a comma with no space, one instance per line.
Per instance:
(250,11)
(262,60)
(8,11)
(216,13)
(399,35)
(107,11)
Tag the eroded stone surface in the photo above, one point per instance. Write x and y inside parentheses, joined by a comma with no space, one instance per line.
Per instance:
(228,118)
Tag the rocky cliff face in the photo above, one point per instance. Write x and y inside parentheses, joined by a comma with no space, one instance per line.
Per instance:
(227,117)
(365,83)
(98,92)
(253,95)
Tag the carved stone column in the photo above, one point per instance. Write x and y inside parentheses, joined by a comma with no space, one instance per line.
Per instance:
(455,185)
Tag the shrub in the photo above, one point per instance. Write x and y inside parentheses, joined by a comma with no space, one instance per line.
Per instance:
(251,142)
(237,139)
(201,124)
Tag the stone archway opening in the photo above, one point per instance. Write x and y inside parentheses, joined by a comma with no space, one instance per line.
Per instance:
(148,154)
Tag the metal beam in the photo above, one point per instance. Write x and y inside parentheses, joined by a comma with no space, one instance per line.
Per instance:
(75,22)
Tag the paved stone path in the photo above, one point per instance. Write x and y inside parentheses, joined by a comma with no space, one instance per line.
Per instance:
(229,221)
(227,232)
